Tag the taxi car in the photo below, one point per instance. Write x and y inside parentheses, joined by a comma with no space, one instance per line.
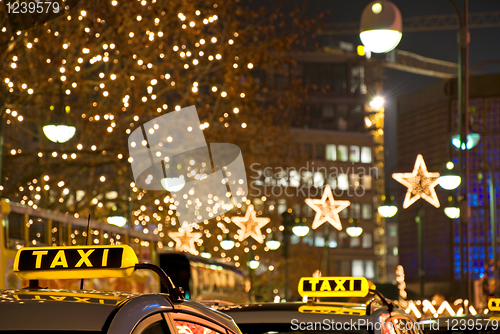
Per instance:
(378,316)
(479,324)
(38,310)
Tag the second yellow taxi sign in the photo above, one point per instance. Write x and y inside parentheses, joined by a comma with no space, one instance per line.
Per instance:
(70,262)
(341,286)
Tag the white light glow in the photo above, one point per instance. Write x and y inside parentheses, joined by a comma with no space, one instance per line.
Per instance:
(380,40)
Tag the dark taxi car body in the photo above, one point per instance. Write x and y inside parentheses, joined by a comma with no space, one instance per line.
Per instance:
(37,310)
(378,316)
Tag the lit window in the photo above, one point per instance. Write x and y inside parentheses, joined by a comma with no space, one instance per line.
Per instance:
(367,240)
(307,178)
(366,211)
(319,179)
(393,230)
(354,180)
(331,152)
(367,182)
(369,269)
(355,242)
(395,251)
(366,155)
(354,153)
(357,268)
(294,179)
(343,182)
(342,153)
(354,210)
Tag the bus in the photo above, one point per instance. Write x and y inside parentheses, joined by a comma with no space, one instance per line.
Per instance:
(201,279)
(204,279)
(23,226)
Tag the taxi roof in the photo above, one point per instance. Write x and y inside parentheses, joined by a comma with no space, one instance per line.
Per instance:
(285,312)
(89,311)
(57,309)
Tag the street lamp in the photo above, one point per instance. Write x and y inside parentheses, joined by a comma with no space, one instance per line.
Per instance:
(371,20)
(381,26)
(354,230)
(227,243)
(472,141)
(300,229)
(387,209)
(272,243)
(449,179)
(56,131)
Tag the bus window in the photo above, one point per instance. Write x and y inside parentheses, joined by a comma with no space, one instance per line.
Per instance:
(15,231)
(37,231)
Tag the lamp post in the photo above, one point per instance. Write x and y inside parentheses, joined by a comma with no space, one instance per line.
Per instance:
(373,19)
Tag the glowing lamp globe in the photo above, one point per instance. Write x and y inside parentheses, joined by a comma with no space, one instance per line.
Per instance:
(381,26)
(472,141)
(300,230)
(452,212)
(354,231)
(387,211)
(449,179)
(173,183)
(254,264)
(117,221)
(273,244)
(227,244)
(59,133)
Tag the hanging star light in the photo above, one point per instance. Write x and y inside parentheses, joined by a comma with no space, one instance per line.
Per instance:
(327,209)
(185,239)
(250,225)
(420,184)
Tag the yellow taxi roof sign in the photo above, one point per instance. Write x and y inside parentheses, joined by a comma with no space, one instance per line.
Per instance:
(494,304)
(341,286)
(32,263)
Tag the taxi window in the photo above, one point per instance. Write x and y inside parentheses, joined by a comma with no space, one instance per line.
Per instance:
(154,324)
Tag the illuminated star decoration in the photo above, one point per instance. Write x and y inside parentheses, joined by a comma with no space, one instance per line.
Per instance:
(327,209)
(250,225)
(420,184)
(185,239)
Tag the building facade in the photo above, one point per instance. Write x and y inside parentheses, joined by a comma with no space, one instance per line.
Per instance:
(337,141)
(455,254)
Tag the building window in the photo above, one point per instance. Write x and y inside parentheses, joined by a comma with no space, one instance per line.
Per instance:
(357,268)
(332,181)
(367,240)
(282,207)
(343,182)
(308,151)
(354,209)
(327,111)
(354,153)
(367,182)
(395,251)
(307,178)
(319,179)
(366,155)
(393,230)
(366,211)
(354,180)
(294,179)
(331,152)
(320,151)
(369,269)
(355,242)
(342,153)
(343,239)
